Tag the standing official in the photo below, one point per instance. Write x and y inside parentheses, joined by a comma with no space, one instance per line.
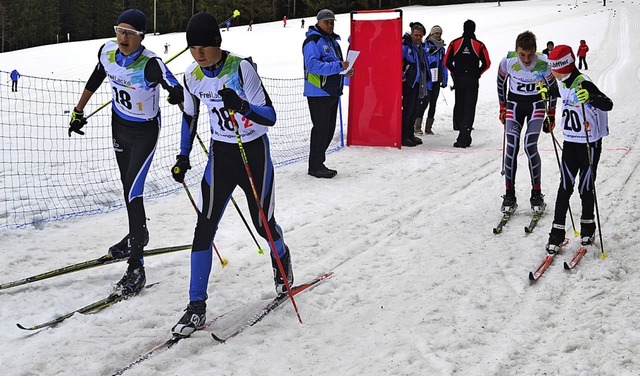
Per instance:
(323,85)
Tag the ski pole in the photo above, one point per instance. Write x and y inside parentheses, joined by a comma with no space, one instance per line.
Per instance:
(107,103)
(603,254)
(555,149)
(272,244)
(223,261)
(260,250)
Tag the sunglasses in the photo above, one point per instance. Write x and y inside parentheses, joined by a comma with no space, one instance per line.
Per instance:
(127,32)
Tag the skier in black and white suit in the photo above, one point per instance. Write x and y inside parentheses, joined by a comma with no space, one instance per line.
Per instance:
(584,123)
(136,75)
(229,86)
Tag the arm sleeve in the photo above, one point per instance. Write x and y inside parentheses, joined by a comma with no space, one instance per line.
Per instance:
(448,59)
(260,107)
(597,98)
(97,76)
(190,115)
(156,72)
(502,82)
(485,62)
(445,71)
(552,84)
(314,64)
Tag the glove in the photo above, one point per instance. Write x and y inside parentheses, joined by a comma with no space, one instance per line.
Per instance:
(176,95)
(503,113)
(180,168)
(443,85)
(543,90)
(232,101)
(583,95)
(77,122)
(548,124)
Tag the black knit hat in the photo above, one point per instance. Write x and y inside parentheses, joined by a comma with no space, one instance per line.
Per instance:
(135,18)
(203,30)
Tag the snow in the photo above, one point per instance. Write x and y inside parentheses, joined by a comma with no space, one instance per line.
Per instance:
(421,285)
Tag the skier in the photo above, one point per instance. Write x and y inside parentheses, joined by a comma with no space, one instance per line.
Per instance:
(585,119)
(230,87)
(136,75)
(284,21)
(518,76)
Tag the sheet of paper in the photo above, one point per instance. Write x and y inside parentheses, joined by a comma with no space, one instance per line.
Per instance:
(351,58)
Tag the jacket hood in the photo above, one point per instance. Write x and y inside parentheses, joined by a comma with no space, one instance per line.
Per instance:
(313,30)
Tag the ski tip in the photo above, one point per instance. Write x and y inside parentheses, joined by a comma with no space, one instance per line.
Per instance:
(22,327)
(566,266)
(527,230)
(217,339)
(496,231)
(531,277)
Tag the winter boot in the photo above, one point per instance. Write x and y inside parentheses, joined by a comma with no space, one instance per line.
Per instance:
(133,280)
(587,231)
(121,249)
(285,260)
(417,128)
(509,202)
(194,318)
(428,127)
(537,201)
(409,142)
(556,238)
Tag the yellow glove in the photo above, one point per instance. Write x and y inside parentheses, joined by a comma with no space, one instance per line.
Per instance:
(583,95)
(542,90)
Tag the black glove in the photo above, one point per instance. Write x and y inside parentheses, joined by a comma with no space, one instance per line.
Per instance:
(77,122)
(232,101)
(176,95)
(443,85)
(180,168)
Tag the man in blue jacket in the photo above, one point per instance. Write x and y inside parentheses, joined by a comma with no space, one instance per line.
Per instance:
(323,85)
(14,80)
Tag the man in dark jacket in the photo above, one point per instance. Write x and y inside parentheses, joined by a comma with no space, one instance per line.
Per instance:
(414,81)
(323,85)
(467,59)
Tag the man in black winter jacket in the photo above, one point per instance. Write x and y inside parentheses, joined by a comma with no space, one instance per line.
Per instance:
(467,59)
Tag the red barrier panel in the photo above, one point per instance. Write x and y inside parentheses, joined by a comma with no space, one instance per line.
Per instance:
(375,90)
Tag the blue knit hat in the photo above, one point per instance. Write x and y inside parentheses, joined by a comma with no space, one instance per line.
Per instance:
(135,18)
